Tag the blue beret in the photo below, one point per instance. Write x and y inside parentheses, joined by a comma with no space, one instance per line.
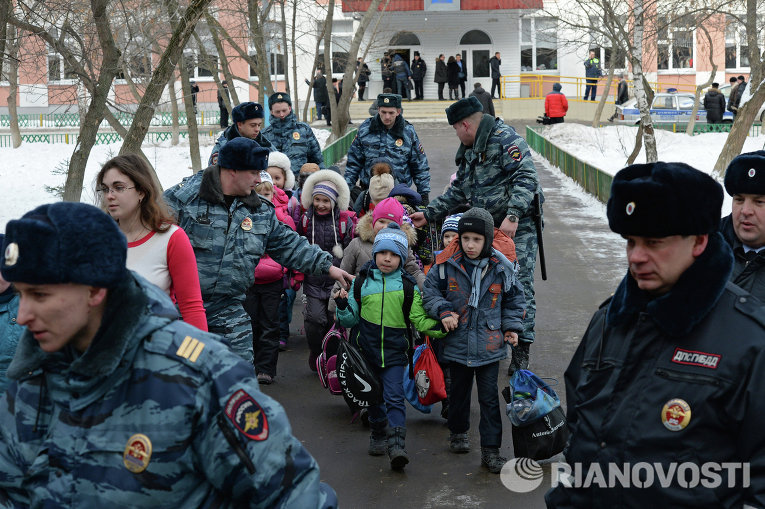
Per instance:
(663,199)
(247,110)
(412,197)
(389,101)
(463,108)
(746,174)
(278,97)
(243,154)
(62,243)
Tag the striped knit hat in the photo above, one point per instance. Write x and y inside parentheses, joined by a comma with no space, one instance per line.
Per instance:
(451,224)
(326,188)
(391,238)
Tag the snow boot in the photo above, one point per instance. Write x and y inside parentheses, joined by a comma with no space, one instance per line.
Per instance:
(491,459)
(378,444)
(459,443)
(397,448)
(520,358)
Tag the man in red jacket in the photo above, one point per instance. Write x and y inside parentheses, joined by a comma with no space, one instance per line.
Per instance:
(556,106)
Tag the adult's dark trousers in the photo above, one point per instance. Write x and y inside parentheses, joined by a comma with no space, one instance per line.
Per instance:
(393,406)
(591,88)
(362,89)
(462,88)
(712,119)
(319,109)
(418,94)
(553,120)
(490,425)
(223,117)
(285,313)
(495,84)
(262,304)
(388,82)
(441,91)
(403,88)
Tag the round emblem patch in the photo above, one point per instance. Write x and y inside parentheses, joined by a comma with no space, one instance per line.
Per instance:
(11,254)
(279,96)
(752,172)
(676,414)
(137,453)
(247,224)
(386,100)
(399,142)
(630,208)
(296,135)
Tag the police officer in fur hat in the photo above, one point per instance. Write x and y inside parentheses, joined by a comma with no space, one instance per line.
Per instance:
(230,228)
(248,120)
(670,370)
(744,228)
(113,401)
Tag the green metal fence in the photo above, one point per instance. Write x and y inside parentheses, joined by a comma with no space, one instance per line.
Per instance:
(204,117)
(592,179)
(703,127)
(338,148)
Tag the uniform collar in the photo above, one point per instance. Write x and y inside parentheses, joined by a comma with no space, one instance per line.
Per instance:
(397,130)
(485,129)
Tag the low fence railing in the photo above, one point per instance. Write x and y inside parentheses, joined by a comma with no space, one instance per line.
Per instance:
(204,117)
(338,148)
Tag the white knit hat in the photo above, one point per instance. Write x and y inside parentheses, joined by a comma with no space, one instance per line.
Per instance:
(280,160)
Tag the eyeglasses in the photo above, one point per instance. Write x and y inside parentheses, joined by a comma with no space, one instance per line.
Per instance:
(117,189)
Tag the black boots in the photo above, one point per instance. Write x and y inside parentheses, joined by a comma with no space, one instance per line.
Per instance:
(520,358)
(397,448)
(378,444)
(491,459)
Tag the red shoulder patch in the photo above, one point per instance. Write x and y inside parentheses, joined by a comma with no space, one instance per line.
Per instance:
(248,417)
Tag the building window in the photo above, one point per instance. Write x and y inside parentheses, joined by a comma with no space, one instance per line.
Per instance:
(339,46)
(138,64)
(276,63)
(736,48)
(539,44)
(475,37)
(675,46)
(201,64)
(58,68)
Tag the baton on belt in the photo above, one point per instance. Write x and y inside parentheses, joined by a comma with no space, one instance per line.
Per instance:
(536,211)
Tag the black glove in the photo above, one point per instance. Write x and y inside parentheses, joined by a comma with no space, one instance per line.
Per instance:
(341,302)
(425,199)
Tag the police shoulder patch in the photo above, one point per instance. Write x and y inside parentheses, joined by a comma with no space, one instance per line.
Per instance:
(514,152)
(247,416)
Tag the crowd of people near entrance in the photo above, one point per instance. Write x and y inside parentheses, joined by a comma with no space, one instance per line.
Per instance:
(140,351)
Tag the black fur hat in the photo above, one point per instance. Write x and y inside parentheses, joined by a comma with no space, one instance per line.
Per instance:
(279,97)
(243,154)
(389,101)
(663,199)
(463,108)
(63,243)
(247,110)
(746,174)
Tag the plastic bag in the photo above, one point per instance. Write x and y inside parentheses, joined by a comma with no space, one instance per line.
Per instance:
(410,384)
(530,398)
(429,377)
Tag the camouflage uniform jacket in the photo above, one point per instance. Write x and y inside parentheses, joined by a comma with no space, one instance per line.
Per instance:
(228,242)
(296,139)
(496,173)
(155,413)
(229,134)
(400,144)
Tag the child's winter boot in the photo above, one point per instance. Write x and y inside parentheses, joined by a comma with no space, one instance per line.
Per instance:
(378,438)
(397,448)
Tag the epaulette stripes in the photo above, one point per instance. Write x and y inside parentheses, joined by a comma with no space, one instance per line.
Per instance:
(190,349)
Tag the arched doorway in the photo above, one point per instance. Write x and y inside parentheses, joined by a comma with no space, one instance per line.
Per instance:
(475,47)
(405,44)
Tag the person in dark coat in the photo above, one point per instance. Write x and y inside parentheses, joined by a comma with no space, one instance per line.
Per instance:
(494,63)
(736,93)
(666,375)
(386,69)
(440,76)
(403,75)
(592,71)
(462,75)
(714,103)
(194,91)
(364,73)
(556,105)
(320,95)
(484,98)
(222,105)
(418,75)
(744,228)
(622,94)
(452,75)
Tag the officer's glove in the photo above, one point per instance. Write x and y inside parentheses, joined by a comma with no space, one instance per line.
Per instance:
(341,302)
(425,199)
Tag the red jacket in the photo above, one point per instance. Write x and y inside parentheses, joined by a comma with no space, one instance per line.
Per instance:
(556,105)
(267,270)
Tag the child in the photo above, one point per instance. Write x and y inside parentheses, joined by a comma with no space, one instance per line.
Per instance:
(295,208)
(281,172)
(384,340)
(412,202)
(479,283)
(263,297)
(328,224)
(380,185)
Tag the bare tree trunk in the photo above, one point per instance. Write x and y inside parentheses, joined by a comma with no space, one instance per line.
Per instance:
(296,99)
(223,65)
(175,129)
(13,80)
(163,71)
(328,73)
(129,80)
(191,117)
(284,49)
(313,72)
(256,17)
(641,85)
(89,129)
(604,97)
(638,146)
(700,88)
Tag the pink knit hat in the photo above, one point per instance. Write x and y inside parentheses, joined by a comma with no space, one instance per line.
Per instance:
(389,208)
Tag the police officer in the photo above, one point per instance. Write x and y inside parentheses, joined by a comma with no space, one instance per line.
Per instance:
(669,372)
(388,135)
(115,402)
(744,228)
(230,228)
(248,122)
(296,139)
(495,173)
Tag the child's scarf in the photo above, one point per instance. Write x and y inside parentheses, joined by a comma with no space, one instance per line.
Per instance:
(480,267)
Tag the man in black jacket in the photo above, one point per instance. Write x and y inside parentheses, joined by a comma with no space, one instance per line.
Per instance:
(714,103)
(320,94)
(622,94)
(744,228)
(494,63)
(418,68)
(663,393)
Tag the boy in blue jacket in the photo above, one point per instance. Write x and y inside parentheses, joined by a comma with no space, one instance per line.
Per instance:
(479,283)
(383,338)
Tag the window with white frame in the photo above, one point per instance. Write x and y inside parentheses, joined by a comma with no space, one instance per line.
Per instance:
(59,69)
(137,58)
(603,48)
(736,46)
(539,44)
(342,34)
(277,61)
(201,64)
(675,45)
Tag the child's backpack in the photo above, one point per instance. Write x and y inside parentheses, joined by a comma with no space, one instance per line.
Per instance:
(326,362)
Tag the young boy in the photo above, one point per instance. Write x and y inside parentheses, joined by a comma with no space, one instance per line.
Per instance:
(382,336)
(480,285)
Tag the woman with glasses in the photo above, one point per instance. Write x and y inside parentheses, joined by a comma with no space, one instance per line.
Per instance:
(158,249)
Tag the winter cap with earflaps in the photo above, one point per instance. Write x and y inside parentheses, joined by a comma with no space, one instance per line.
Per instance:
(478,220)
(392,238)
(281,161)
